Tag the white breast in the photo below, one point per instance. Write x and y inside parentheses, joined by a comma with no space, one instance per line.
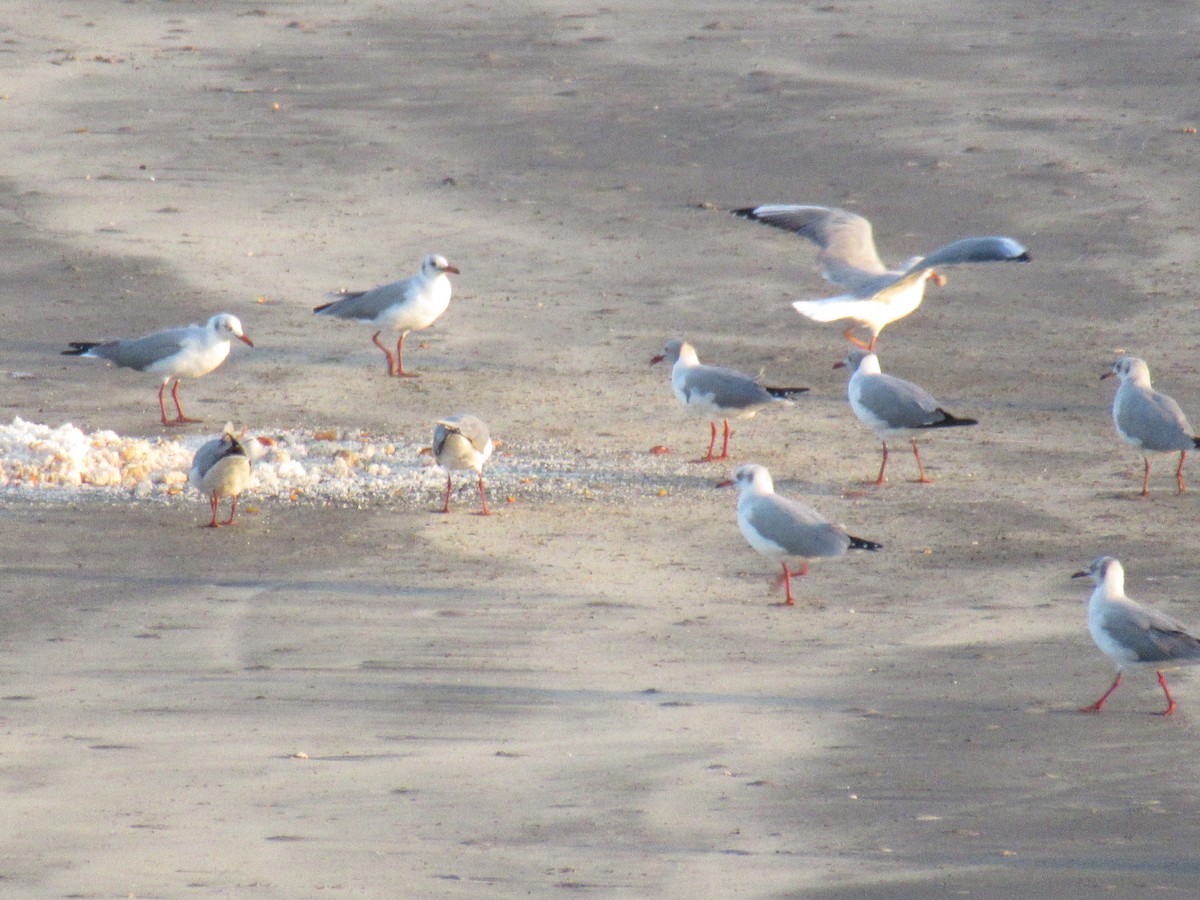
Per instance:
(227,478)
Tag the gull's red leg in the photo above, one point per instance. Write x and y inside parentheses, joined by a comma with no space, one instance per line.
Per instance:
(1095,707)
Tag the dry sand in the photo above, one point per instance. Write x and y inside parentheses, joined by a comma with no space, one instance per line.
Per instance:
(591,694)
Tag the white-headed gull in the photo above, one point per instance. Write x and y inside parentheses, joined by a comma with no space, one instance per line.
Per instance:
(876,295)
(187,352)
(1147,420)
(462,441)
(1133,635)
(892,406)
(715,392)
(221,468)
(781,528)
(409,305)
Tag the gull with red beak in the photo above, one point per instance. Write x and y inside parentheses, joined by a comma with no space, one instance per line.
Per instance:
(1133,635)
(892,406)
(1148,421)
(715,392)
(781,528)
(187,352)
(409,305)
(876,295)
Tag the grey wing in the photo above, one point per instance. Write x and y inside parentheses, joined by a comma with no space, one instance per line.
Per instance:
(848,256)
(1153,636)
(206,457)
(440,433)
(139,353)
(367,304)
(1156,420)
(975,249)
(900,403)
(729,388)
(797,527)
(473,428)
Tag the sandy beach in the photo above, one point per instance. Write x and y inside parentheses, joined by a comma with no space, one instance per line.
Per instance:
(594,692)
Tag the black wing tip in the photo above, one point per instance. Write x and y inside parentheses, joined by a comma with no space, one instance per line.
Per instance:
(950,421)
(78,348)
(1026,256)
(1196,442)
(323,306)
(746,212)
(784,392)
(857,543)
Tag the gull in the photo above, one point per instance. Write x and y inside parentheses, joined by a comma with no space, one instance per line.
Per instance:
(876,295)
(781,528)
(221,468)
(187,352)
(892,406)
(462,441)
(409,305)
(1133,635)
(1147,420)
(715,392)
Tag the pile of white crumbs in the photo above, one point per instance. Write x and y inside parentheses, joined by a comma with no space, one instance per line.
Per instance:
(67,463)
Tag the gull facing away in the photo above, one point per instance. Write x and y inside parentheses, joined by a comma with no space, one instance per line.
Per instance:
(1147,420)
(876,295)
(781,528)
(716,392)
(1133,635)
(187,352)
(409,305)
(462,441)
(892,406)
(221,468)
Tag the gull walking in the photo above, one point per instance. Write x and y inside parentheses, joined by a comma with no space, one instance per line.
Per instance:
(892,406)
(409,305)
(462,442)
(1133,635)
(1147,420)
(876,295)
(715,392)
(187,352)
(781,528)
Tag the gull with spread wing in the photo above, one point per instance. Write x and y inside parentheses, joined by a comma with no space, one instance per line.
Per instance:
(875,295)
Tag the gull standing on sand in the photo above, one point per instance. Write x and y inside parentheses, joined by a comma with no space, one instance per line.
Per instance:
(715,392)
(892,406)
(462,441)
(1147,420)
(409,305)
(1133,635)
(781,528)
(187,352)
(221,468)
(877,295)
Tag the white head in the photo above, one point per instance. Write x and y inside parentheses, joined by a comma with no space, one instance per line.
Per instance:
(675,349)
(1130,368)
(860,360)
(434,265)
(226,326)
(1106,571)
(753,479)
